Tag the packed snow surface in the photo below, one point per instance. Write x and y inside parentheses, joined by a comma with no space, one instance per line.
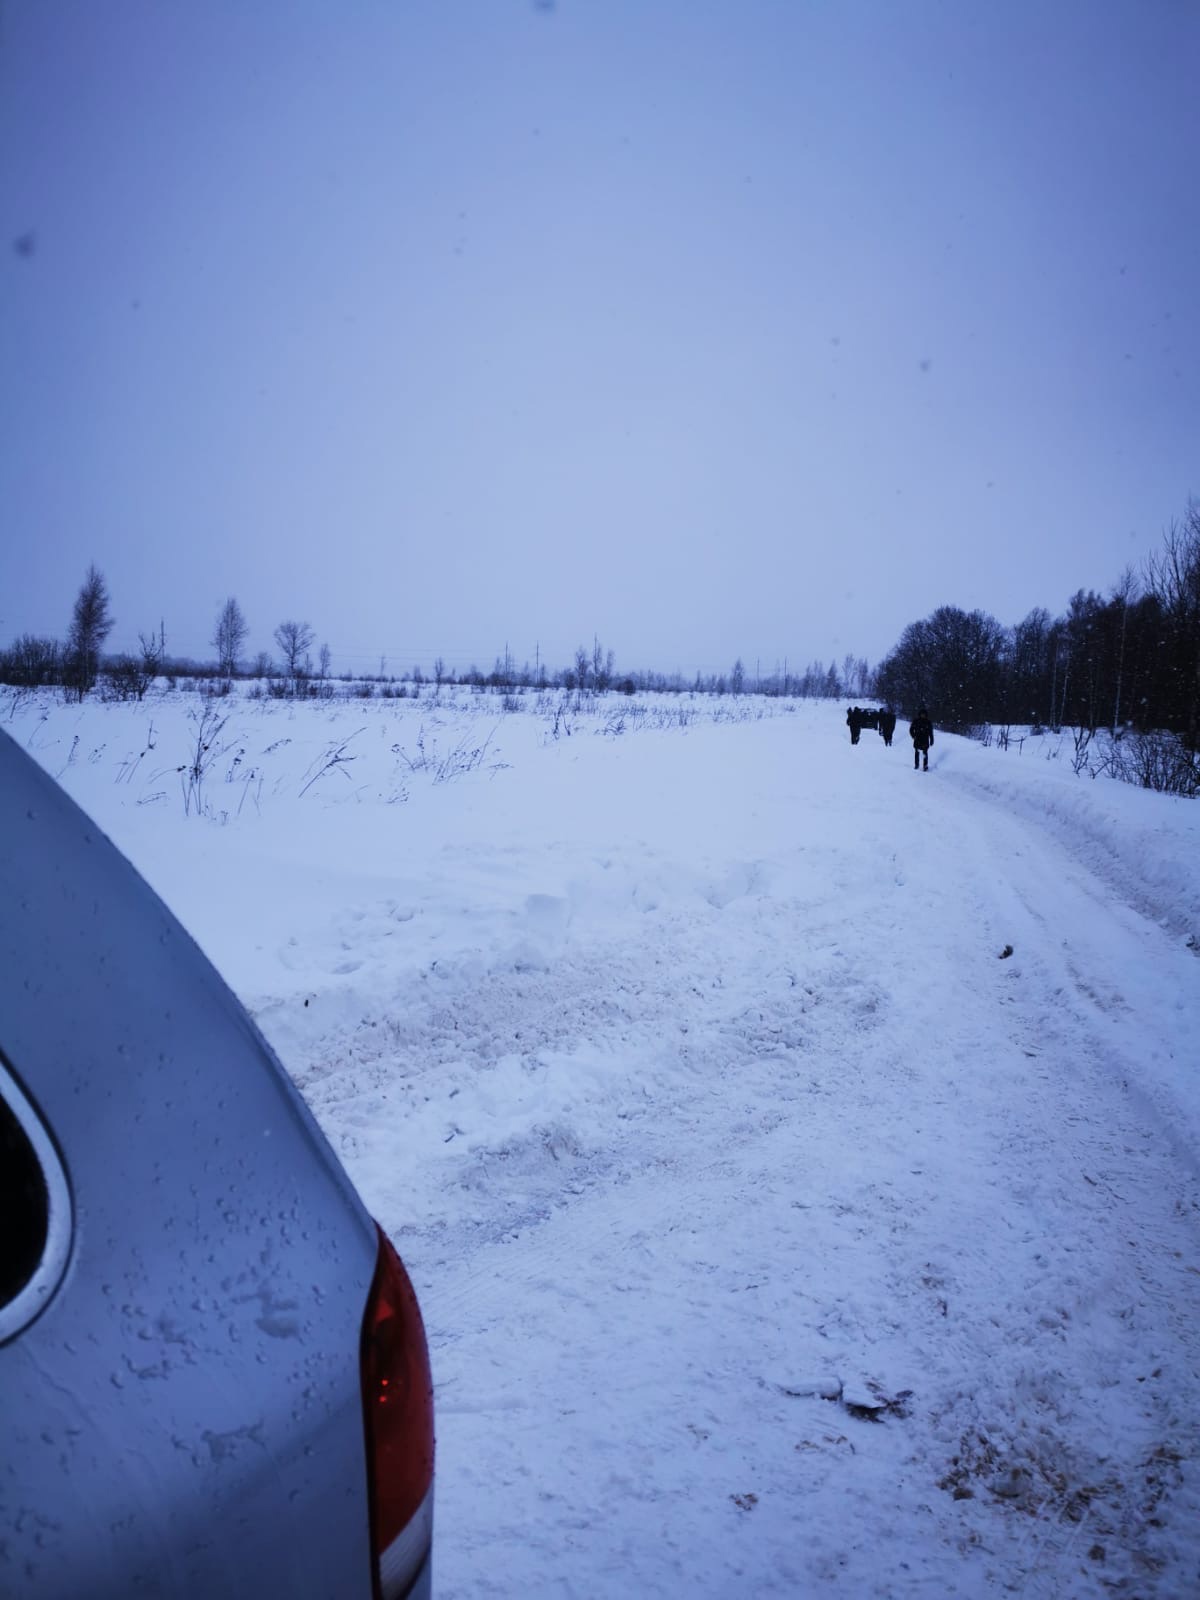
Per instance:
(795,1154)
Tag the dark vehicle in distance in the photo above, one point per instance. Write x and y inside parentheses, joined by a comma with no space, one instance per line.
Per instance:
(214,1378)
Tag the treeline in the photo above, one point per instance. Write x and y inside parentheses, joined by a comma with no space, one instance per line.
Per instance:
(78,665)
(596,671)
(1126,660)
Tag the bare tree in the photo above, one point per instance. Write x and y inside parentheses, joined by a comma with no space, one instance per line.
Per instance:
(581,667)
(602,666)
(32,662)
(127,677)
(91,624)
(229,637)
(324,659)
(153,647)
(293,639)
(1173,578)
(1124,593)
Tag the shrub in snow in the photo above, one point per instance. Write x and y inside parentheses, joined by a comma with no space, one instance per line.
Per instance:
(124,678)
(207,748)
(1158,761)
(333,759)
(461,758)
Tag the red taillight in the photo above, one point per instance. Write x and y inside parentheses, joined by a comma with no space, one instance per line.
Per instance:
(398,1402)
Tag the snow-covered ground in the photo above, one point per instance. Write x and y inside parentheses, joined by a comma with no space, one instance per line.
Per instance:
(777,1231)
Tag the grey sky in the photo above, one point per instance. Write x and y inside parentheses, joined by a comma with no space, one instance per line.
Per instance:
(714,327)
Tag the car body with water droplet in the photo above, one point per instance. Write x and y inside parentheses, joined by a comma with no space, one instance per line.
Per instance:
(214,1377)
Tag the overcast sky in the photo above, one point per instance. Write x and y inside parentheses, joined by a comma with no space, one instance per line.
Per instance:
(712,327)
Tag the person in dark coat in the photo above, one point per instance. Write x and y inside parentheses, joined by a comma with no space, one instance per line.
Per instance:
(887,726)
(920,731)
(854,723)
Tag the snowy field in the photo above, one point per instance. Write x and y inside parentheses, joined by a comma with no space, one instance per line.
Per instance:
(777,1233)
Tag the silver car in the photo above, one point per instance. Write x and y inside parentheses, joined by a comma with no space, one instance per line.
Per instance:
(214,1378)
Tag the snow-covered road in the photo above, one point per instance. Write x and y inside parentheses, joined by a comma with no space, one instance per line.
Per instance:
(775,1232)
(847,1144)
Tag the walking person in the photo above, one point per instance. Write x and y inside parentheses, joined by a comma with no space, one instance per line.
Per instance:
(854,723)
(887,726)
(920,731)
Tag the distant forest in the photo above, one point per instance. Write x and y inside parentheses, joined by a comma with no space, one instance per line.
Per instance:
(1129,660)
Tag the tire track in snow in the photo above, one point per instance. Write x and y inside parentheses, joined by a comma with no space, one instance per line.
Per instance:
(1115,1306)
